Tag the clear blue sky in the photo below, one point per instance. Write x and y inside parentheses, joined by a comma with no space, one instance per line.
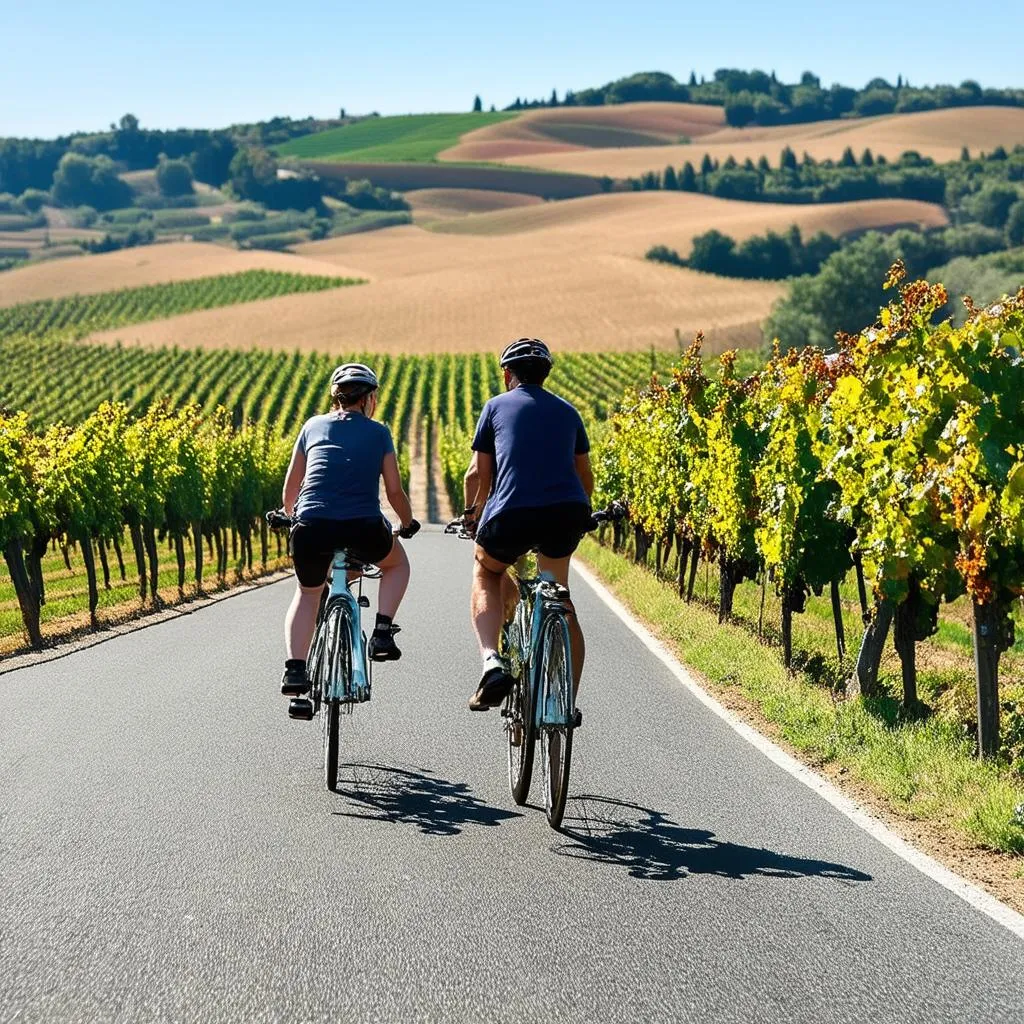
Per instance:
(69,65)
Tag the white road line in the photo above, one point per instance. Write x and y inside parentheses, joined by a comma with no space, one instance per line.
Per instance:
(967,891)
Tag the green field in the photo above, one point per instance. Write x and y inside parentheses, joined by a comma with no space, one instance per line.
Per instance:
(410,137)
(82,315)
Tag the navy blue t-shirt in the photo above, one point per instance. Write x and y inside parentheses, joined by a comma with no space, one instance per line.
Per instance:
(534,437)
(344,452)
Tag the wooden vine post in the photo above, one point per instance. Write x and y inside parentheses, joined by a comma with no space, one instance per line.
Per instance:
(993,634)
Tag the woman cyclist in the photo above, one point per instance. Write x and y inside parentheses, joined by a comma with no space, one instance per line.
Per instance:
(333,490)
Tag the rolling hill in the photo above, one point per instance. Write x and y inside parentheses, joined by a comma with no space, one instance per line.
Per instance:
(572,272)
(939,134)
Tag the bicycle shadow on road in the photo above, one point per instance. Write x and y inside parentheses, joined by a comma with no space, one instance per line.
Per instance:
(651,846)
(414,796)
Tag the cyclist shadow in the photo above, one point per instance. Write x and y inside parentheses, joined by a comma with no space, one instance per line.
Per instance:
(651,846)
(413,796)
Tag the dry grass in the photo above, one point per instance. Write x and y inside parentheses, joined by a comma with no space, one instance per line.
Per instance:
(567,129)
(936,133)
(152,264)
(572,272)
(431,204)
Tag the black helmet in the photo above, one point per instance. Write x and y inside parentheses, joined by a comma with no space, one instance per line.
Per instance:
(526,348)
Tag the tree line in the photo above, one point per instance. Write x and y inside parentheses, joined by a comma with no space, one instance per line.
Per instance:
(759,97)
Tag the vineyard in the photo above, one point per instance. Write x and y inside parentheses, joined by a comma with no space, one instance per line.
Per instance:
(898,460)
(82,315)
(71,499)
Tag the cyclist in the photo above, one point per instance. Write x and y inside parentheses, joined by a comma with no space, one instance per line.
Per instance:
(531,476)
(332,487)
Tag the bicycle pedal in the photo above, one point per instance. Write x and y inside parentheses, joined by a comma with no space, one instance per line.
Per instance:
(300,709)
(577,718)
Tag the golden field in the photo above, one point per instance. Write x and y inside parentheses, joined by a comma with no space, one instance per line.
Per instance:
(939,134)
(572,272)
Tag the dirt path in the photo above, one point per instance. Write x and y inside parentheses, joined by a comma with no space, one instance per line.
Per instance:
(439,506)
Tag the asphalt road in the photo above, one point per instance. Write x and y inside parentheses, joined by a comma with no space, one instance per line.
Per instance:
(168,851)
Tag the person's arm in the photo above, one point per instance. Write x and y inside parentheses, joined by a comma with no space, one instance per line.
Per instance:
(479,480)
(293,480)
(397,498)
(583,468)
(585,473)
(480,475)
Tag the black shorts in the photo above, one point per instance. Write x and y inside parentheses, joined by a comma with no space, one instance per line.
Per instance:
(554,530)
(314,542)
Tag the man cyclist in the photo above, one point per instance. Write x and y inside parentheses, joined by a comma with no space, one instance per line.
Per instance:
(333,489)
(528,486)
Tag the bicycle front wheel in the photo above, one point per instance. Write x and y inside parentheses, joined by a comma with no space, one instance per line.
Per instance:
(519,730)
(556,713)
(337,684)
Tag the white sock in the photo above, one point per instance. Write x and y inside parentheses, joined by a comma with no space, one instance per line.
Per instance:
(491,660)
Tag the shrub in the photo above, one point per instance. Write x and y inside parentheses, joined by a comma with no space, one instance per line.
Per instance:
(174,177)
(663,254)
(34,199)
(275,242)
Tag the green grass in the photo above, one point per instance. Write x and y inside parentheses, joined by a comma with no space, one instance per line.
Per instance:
(410,137)
(924,767)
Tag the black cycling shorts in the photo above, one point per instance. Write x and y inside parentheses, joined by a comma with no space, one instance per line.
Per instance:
(314,542)
(554,530)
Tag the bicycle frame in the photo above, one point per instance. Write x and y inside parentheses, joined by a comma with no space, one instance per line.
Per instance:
(358,688)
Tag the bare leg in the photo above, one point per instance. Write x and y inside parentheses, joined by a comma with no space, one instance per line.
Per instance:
(487,602)
(300,621)
(394,582)
(559,568)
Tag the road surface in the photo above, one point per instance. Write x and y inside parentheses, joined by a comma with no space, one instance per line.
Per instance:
(168,851)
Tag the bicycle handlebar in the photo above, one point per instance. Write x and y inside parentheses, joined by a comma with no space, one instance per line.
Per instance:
(614,513)
(278,519)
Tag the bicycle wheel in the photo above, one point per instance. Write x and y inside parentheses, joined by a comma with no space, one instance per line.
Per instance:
(518,719)
(339,660)
(555,691)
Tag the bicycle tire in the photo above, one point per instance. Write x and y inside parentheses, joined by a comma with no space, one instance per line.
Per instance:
(518,719)
(556,693)
(340,667)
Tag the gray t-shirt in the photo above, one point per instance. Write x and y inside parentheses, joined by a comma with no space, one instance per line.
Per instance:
(534,437)
(344,452)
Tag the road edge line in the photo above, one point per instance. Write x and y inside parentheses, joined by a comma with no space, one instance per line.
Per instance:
(970,893)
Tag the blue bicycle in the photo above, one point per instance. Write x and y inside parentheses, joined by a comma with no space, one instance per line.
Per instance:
(339,671)
(541,705)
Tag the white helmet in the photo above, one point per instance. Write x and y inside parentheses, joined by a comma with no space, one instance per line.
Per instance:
(355,374)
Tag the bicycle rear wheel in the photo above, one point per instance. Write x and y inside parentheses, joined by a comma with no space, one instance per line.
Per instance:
(518,719)
(337,683)
(555,693)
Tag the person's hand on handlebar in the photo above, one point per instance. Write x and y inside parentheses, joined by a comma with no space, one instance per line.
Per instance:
(409,530)
(469,521)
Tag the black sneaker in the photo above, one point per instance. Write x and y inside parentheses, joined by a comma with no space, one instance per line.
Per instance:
(382,646)
(494,687)
(294,682)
